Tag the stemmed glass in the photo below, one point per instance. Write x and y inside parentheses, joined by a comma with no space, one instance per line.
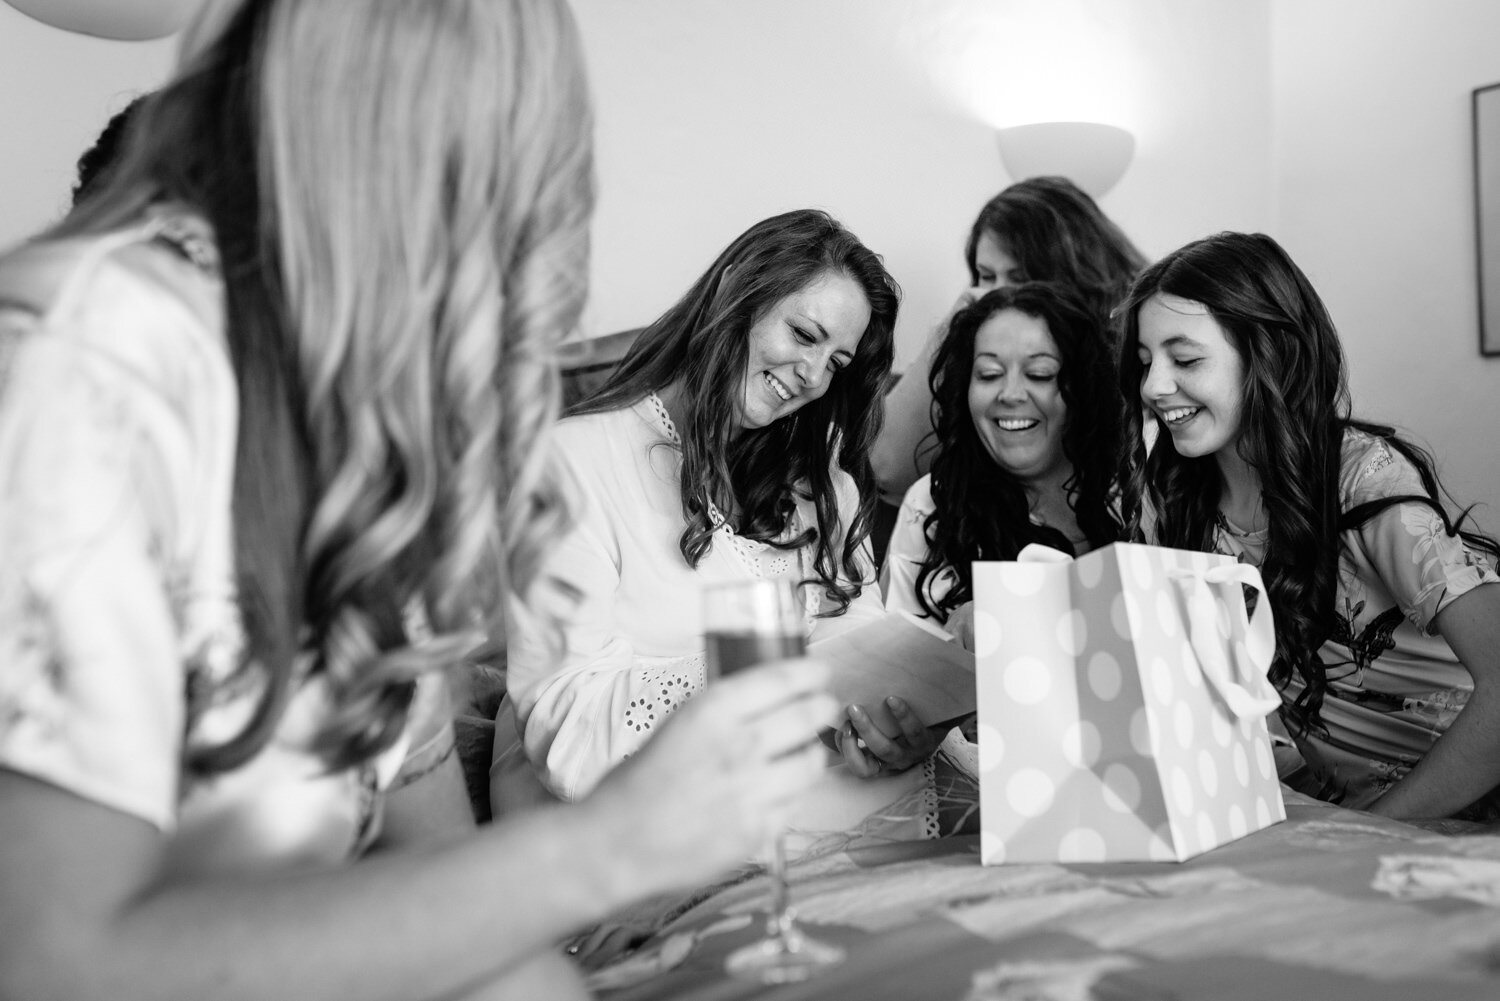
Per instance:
(745,623)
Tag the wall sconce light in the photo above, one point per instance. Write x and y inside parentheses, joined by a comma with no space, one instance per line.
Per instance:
(1090,154)
(127,20)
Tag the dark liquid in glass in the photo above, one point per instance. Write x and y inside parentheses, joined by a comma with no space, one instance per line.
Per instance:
(731,652)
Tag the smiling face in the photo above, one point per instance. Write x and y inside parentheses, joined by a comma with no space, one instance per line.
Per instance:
(1193,378)
(1014,397)
(798,345)
(994,266)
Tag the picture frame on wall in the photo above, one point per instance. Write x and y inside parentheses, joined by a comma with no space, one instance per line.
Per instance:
(1486,105)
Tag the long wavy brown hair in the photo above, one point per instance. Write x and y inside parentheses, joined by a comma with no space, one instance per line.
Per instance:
(1055,232)
(701,345)
(399,192)
(1295,412)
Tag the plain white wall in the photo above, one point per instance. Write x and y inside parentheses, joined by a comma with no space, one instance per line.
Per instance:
(57,91)
(716,113)
(1342,127)
(1375,200)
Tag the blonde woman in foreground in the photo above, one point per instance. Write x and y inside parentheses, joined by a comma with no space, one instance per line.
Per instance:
(270,412)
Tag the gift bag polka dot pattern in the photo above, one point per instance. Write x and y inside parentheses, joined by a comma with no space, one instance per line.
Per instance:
(1264,763)
(1027,680)
(1030,792)
(1099,738)
(1072,633)
(1168,619)
(1142,573)
(1208,773)
(1182,725)
(992,748)
(1104,676)
(1122,789)
(1186,655)
(1219,726)
(1027,579)
(1090,573)
(1081,844)
(1182,791)
(1237,826)
(1163,677)
(1210,758)
(1119,617)
(1081,744)
(1140,733)
(987,636)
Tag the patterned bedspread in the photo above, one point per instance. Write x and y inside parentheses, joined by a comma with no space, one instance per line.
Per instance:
(1330,904)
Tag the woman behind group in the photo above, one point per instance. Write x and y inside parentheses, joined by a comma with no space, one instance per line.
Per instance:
(268,465)
(1387,623)
(1040,229)
(731,443)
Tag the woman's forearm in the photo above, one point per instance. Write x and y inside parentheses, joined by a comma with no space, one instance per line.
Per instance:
(1461,767)
(417,924)
(1465,762)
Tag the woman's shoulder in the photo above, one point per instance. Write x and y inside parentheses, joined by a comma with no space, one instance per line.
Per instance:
(1370,468)
(602,430)
(614,453)
(134,293)
(918,499)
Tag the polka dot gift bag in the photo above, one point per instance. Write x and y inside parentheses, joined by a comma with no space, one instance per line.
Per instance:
(1122,704)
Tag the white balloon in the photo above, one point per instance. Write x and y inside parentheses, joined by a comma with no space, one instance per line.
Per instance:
(126,20)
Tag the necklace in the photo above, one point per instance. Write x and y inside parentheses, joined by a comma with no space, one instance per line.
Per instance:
(1255,535)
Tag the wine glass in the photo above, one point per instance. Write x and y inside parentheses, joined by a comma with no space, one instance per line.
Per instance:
(745,623)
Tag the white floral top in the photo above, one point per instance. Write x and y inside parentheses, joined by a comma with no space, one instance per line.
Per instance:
(634,647)
(1394,686)
(118,614)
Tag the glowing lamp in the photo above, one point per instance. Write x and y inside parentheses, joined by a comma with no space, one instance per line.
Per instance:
(1090,154)
(125,20)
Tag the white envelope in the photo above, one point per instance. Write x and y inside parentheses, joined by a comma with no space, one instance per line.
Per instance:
(904,656)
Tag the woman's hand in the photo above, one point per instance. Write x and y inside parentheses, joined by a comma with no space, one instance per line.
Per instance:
(716,781)
(960,625)
(885,738)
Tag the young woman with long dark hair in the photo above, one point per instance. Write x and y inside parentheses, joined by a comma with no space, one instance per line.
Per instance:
(1387,623)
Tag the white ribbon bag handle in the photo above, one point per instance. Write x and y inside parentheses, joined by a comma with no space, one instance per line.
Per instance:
(1248,692)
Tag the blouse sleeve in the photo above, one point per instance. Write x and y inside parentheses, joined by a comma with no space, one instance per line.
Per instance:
(907,550)
(93,454)
(1421,566)
(582,702)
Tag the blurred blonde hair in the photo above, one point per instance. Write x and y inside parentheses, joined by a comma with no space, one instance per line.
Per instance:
(422,175)
(451,176)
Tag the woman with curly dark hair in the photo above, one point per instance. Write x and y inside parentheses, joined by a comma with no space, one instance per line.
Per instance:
(1027,416)
(1387,633)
